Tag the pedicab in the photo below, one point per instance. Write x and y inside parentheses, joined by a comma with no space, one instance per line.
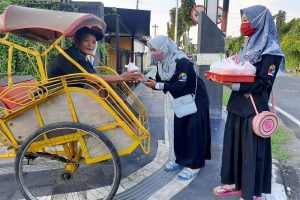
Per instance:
(68,132)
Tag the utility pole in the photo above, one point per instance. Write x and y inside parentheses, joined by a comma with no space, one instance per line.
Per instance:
(176,22)
(137,4)
(155,27)
(118,63)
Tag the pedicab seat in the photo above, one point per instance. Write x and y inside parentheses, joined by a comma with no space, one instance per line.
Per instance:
(19,94)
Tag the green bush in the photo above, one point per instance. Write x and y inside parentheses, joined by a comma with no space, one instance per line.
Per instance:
(22,63)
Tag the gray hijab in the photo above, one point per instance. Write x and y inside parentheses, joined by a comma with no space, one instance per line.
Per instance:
(167,66)
(265,40)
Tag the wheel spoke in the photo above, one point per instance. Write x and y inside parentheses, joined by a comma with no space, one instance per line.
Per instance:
(67,177)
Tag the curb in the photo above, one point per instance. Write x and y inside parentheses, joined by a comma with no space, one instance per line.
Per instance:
(278,185)
(278,171)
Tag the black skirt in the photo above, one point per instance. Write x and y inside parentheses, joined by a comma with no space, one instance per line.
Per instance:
(192,139)
(247,158)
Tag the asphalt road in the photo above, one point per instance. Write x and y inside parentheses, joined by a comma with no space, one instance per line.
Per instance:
(287,98)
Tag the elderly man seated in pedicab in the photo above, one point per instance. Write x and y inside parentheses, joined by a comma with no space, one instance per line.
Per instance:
(85,43)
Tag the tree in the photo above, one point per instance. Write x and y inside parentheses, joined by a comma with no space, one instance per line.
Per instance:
(289,25)
(290,44)
(181,26)
(289,35)
(21,61)
(185,11)
(184,19)
(233,45)
(280,22)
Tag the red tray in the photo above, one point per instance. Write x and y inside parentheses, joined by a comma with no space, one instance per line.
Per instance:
(230,78)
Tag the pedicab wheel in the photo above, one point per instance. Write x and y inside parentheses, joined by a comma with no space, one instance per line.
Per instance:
(67,161)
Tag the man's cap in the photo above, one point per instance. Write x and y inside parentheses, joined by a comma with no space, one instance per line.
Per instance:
(84,30)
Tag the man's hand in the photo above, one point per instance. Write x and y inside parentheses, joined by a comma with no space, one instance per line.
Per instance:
(150,83)
(133,76)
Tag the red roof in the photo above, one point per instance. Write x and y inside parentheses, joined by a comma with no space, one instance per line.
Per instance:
(43,25)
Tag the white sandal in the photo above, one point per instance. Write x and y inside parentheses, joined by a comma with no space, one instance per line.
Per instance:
(172,166)
(188,173)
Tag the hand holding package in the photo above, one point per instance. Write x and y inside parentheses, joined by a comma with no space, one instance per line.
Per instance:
(131,66)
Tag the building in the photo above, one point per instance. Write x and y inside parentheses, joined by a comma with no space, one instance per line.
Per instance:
(127,34)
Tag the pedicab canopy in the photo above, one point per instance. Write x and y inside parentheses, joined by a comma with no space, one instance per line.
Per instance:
(43,25)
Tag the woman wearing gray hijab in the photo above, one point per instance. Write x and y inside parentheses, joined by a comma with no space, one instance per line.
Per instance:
(176,75)
(247,160)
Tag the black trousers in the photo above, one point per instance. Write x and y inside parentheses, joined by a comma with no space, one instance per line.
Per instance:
(247,158)
(192,139)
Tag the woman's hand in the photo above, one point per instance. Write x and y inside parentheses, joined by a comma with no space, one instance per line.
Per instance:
(227,84)
(150,83)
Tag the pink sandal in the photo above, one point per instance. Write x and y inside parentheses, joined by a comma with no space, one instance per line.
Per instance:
(223,191)
(254,198)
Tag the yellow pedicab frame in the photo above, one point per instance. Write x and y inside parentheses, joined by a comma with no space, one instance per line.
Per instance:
(138,133)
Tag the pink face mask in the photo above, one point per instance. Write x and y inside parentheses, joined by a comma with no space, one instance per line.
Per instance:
(157,55)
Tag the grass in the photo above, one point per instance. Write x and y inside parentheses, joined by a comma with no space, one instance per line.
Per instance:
(279,139)
(226,95)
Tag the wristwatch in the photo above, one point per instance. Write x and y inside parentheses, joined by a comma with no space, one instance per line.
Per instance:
(159,86)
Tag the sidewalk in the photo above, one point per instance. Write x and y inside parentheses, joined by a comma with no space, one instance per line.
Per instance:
(201,187)
(143,176)
(209,177)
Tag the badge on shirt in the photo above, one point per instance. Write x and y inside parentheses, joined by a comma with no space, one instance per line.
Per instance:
(182,77)
(271,71)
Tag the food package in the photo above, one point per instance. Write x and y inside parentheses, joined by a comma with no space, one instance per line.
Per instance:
(131,66)
(229,66)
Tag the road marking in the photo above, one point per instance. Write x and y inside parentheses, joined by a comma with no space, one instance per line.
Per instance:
(292,118)
(28,168)
(159,160)
(6,170)
(171,189)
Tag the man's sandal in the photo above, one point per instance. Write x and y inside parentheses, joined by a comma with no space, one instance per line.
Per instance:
(224,191)
(187,174)
(172,166)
